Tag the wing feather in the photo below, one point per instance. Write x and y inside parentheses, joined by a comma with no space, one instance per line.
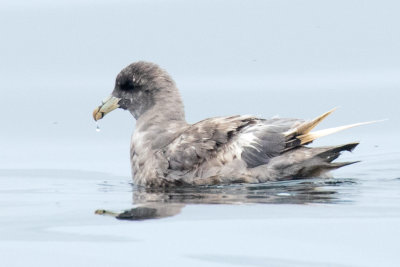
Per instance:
(253,140)
(203,140)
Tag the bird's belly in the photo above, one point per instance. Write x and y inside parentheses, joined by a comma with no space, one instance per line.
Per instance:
(214,172)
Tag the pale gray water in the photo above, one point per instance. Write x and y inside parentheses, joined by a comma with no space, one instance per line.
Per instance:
(286,58)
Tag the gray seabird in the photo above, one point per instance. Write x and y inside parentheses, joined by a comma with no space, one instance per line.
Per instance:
(167,151)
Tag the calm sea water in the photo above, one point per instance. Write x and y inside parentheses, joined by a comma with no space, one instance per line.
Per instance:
(350,221)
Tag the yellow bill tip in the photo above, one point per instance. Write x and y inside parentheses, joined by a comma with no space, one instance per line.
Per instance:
(97,115)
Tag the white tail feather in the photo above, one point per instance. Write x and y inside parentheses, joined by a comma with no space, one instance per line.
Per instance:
(309,137)
(307,126)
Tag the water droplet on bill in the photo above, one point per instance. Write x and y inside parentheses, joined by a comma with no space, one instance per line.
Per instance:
(97,127)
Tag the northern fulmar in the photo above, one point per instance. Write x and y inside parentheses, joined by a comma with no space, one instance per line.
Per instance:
(167,151)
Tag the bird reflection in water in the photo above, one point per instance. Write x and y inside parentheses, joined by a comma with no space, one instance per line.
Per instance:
(152,203)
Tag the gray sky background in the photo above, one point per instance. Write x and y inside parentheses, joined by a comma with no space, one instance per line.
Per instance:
(292,58)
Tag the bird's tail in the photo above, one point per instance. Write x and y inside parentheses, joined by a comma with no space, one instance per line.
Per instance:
(306,162)
(321,160)
(302,134)
(310,162)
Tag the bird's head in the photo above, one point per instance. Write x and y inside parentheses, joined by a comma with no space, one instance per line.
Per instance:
(138,88)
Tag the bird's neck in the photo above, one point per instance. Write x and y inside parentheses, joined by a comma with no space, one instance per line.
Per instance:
(159,117)
(161,123)
(167,107)
(159,126)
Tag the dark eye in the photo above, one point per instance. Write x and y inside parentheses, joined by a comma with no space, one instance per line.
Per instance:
(126,85)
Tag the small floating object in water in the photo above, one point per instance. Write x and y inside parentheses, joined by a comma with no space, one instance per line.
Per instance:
(97,127)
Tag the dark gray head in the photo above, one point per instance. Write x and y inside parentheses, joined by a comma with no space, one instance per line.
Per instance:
(142,87)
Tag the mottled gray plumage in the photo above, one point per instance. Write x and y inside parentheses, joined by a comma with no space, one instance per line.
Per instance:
(167,151)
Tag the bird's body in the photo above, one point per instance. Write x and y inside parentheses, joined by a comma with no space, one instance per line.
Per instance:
(223,150)
(167,151)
